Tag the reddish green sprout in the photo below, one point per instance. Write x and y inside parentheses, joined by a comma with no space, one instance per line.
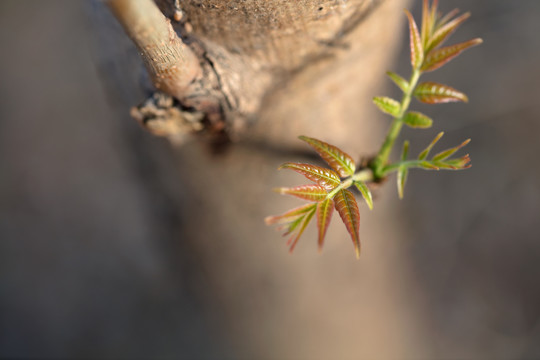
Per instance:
(330,188)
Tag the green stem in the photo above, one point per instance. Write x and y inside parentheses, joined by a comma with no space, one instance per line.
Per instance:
(362,175)
(382,157)
(408,164)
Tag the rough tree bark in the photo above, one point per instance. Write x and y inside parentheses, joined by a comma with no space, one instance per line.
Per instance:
(267,71)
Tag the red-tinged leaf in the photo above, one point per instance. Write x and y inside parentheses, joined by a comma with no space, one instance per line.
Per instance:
(438,57)
(290,215)
(401,180)
(290,227)
(446,18)
(387,105)
(417,51)
(326,178)
(426,22)
(426,151)
(435,93)
(417,120)
(444,31)
(449,152)
(366,193)
(338,159)
(347,208)
(294,239)
(399,81)
(324,216)
(306,192)
(433,14)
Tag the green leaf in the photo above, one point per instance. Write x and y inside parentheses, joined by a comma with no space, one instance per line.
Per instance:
(326,178)
(294,239)
(401,180)
(399,81)
(460,163)
(338,159)
(426,151)
(427,23)
(445,30)
(444,165)
(324,216)
(403,171)
(290,227)
(290,215)
(446,18)
(347,208)
(435,93)
(366,193)
(449,152)
(417,120)
(437,58)
(405,151)
(417,51)
(306,192)
(434,13)
(387,105)
(428,165)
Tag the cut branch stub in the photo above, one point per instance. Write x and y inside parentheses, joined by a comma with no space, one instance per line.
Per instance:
(170,63)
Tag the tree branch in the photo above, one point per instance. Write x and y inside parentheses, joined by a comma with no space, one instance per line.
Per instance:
(170,63)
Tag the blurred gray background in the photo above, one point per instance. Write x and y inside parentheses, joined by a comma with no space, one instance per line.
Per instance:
(90,261)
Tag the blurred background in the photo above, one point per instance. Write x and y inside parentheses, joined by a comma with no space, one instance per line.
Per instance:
(106,250)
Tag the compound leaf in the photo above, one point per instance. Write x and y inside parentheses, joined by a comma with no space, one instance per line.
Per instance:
(338,160)
(435,93)
(325,209)
(347,208)
(326,178)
